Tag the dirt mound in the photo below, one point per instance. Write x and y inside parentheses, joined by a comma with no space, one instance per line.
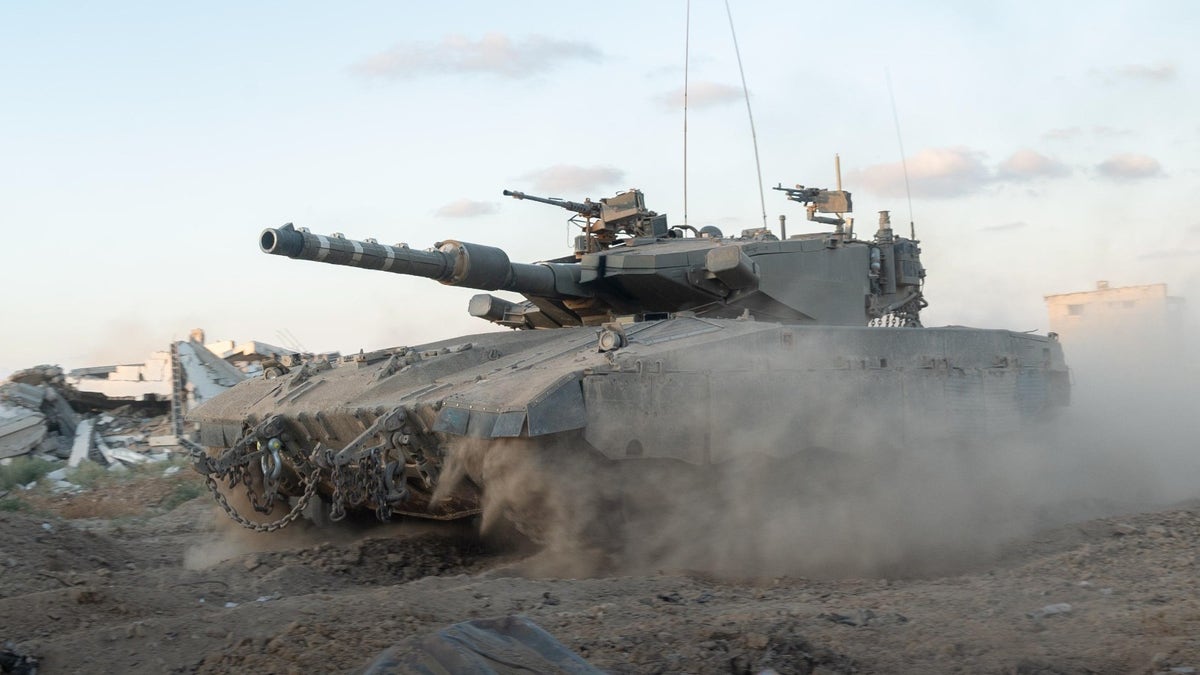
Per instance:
(49,553)
(180,591)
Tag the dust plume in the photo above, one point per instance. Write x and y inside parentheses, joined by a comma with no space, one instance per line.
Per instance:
(230,539)
(849,492)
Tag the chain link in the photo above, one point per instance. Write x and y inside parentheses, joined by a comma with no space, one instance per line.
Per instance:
(310,488)
(337,509)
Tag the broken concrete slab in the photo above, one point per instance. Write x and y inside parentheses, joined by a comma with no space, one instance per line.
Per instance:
(24,402)
(21,431)
(207,373)
(127,456)
(61,486)
(83,444)
(25,395)
(57,407)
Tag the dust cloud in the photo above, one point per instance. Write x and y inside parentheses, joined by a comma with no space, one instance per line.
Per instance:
(230,539)
(871,507)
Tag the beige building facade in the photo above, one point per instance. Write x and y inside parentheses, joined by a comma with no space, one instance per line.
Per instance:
(1116,316)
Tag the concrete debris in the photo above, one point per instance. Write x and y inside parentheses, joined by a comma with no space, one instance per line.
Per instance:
(61,486)
(84,444)
(35,415)
(40,416)
(21,431)
(131,457)
(1051,610)
(511,644)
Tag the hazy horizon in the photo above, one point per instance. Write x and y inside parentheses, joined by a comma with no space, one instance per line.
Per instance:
(145,148)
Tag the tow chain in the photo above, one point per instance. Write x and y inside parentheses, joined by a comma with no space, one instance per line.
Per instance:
(359,474)
(310,488)
(204,465)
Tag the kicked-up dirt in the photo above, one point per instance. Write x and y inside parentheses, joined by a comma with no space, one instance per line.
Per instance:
(180,591)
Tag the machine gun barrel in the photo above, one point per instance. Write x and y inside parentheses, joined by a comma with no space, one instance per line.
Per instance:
(454,263)
(589,209)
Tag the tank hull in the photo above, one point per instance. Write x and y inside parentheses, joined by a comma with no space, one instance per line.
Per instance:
(384,432)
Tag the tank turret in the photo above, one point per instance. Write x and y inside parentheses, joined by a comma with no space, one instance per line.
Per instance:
(629,263)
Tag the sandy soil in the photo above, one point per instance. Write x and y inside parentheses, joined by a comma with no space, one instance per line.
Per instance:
(176,591)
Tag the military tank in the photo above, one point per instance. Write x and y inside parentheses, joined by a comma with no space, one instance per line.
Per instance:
(648,343)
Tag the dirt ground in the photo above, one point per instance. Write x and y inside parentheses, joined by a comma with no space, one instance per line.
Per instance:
(147,589)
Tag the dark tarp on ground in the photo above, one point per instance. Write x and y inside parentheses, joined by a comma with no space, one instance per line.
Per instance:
(504,646)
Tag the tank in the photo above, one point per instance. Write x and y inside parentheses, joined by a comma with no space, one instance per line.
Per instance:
(676,346)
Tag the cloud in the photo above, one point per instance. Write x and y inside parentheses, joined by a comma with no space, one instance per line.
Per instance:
(700,95)
(954,172)
(1129,166)
(1064,134)
(1004,227)
(936,172)
(1170,253)
(1072,133)
(1138,72)
(565,179)
(466,208)
(493,54)
(1157,73)
(1027,164)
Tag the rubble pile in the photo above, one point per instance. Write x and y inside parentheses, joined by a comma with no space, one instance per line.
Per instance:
(37,419)
(35,416)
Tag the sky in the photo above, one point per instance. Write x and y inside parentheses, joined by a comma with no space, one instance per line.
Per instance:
(144,146)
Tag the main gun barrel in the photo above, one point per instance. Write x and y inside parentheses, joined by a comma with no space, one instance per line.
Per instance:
(454,263)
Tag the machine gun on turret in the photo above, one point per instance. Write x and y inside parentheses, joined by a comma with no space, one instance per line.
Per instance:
(824,201)
(587,208)
(606,219)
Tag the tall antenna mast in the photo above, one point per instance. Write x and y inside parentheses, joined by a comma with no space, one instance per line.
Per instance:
(912,228)
(746,92)
(687,52)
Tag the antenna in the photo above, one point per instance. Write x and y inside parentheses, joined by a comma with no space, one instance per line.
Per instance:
(289,340)
(687,52)
(746,93)
(912,228)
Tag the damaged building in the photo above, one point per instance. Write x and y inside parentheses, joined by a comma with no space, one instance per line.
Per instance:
(116,413)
